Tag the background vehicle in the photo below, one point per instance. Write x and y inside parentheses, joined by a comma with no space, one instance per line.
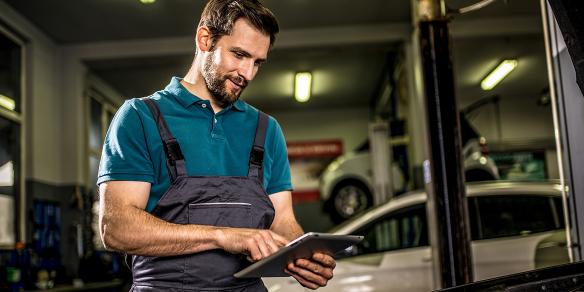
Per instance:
(514,227)
(346,185)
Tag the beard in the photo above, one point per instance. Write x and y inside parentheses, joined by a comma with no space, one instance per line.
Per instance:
(217,84)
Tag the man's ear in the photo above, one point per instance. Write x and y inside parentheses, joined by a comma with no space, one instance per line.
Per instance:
(203,38)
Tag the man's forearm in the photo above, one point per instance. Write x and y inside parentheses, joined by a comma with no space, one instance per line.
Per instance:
(135,231)
(290,229)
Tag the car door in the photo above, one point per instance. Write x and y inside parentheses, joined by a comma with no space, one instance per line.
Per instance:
(393,256)
(509,232)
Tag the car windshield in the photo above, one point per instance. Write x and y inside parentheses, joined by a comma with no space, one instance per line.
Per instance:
(353,219)
(467,131)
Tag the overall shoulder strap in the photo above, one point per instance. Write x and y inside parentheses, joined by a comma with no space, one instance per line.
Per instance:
(256,158)
(174,156)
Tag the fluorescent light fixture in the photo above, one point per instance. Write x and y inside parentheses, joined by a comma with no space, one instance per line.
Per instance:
(7,102)
(302,86)
(147,1)
(498,74)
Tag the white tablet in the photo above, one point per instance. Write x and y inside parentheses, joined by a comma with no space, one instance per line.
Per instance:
(302,247)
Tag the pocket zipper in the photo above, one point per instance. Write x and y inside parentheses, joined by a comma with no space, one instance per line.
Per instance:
(221,203)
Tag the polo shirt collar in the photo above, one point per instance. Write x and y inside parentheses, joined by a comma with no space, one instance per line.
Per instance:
(186,98)
(240,105)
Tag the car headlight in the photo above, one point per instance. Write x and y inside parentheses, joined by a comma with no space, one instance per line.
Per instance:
(333,166)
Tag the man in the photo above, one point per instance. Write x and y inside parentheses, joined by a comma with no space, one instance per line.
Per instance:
(185,173)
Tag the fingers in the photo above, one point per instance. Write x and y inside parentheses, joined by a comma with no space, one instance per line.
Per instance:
(262,243)
(309,273)
(303,281)
(280,240)
(314,267)
(253,251)
(269,239)
(324,259)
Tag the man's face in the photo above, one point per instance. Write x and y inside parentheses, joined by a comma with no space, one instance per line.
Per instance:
(234,61)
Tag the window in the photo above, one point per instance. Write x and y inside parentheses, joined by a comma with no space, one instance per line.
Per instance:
(499,216)
(101,112)
(403,229)
(10,73)
(11,154)
(9,179)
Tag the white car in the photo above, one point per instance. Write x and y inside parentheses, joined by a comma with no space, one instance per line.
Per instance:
(515,227)
(346,185)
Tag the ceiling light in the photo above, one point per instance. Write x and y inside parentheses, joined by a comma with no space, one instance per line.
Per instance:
(7,102)
(302,86)
(147,1)
(498,74)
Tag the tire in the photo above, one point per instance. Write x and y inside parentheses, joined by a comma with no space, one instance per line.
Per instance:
(348,198)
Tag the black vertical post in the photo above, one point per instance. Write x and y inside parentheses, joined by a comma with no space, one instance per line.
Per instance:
(444,178)
(565,53)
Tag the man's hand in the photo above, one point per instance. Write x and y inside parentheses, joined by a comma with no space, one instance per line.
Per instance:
(311,273)
(314,272)
(255,243)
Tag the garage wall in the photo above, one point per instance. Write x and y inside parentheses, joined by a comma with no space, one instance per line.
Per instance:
(43,116)
(521,119)
(348,124)
(49,119)
(56,97)
(524,125)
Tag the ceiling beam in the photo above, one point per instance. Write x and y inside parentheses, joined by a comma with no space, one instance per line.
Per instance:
(343,35)
(315,37)
(496,27)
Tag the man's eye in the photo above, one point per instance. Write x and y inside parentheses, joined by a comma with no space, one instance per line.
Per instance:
(239,55)
(258,64)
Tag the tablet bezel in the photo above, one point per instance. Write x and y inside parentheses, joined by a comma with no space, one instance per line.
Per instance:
(302,247)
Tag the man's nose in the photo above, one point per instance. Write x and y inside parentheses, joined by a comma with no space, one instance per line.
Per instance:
(247,70)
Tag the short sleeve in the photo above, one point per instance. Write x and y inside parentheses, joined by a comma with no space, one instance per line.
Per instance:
(280,179)
(125,153)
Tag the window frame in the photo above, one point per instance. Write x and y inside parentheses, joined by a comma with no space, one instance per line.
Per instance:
(20,119)
(396,213)
(476,219)
(108,106)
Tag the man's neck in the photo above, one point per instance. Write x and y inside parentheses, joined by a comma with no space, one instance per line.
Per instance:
(196,85)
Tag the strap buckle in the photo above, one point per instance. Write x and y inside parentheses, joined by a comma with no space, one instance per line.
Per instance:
(257,155)
(173,150)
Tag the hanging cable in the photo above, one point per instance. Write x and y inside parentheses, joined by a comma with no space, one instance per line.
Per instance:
(472,7)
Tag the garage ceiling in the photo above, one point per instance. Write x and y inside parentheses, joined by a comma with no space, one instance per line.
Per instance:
(344,76)
(78,21)
(350,82)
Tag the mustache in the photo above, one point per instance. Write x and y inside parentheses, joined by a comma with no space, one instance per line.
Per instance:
(240,81)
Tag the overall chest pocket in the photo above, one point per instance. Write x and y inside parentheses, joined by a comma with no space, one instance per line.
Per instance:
(221,214)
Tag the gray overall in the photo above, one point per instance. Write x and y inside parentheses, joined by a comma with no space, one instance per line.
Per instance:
(229,201)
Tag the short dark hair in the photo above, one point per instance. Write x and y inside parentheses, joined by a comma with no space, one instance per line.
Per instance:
(220,15)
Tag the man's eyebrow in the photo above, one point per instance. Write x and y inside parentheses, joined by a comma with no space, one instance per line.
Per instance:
(245,53)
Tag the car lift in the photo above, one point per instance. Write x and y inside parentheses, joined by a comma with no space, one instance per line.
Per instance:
(447,208)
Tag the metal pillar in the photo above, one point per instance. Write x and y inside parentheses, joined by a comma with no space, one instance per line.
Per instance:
(447,206)
(568,14)
(565,58)
(381,162)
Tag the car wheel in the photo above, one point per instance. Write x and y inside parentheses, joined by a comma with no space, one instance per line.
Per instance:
(348,199)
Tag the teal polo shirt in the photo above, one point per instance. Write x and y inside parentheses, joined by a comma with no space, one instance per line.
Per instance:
(212,144)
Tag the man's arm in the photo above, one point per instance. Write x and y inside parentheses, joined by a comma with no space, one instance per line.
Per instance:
(285,222)
(126,227)
(311,273)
